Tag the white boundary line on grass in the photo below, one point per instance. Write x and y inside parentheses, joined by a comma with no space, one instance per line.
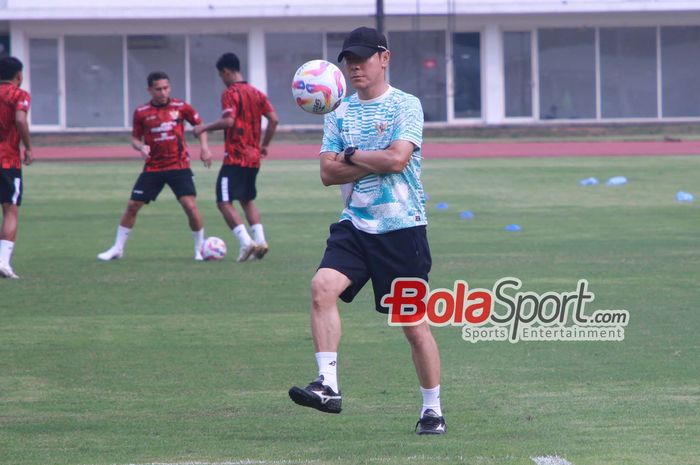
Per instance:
(539,460)
(550,460)
(237,462)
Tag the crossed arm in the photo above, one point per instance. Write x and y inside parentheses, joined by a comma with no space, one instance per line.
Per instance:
(393,159)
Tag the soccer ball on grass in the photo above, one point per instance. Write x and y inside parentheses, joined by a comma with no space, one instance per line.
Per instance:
(213,248)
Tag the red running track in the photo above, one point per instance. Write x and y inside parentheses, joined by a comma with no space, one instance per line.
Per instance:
(430,150)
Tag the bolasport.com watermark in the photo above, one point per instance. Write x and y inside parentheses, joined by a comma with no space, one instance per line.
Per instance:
(505,312)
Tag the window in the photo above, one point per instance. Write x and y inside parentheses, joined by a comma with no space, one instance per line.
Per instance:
(467,74)
(94,81)
(334,45)
(680,48)
(285,52)
(43,67)
(146,54)
(567,73)
(628,72)
(517,60)
(4,43)
(418,67)
(206,85)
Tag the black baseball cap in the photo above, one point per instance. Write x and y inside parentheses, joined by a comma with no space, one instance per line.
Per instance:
(363,42)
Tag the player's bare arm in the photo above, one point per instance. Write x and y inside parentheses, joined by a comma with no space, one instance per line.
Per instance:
(143,149)
(23,129)
(272,121)
(393,159)
(335,171)
(222,123)
(204,152)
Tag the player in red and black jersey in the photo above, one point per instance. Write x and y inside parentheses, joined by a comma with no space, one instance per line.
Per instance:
(159,136)
(14,105)
(243,107)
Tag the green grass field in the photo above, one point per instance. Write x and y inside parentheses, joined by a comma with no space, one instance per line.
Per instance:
(457,134)
(156,358)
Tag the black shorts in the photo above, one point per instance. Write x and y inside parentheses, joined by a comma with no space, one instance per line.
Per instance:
(380,257)
(236,183)
(11,187)
(150,183)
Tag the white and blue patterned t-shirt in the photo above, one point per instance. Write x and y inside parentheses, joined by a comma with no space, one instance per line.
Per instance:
(380,203)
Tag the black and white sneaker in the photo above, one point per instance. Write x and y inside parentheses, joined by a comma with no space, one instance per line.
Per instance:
(317,395)
(431,423)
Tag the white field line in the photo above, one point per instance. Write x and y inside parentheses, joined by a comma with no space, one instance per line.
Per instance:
(237,462)
(551,460)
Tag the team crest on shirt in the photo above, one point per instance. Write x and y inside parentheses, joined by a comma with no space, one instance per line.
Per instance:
(381,127)
(175,114)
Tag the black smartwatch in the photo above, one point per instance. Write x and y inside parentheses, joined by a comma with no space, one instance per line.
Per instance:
(349,152)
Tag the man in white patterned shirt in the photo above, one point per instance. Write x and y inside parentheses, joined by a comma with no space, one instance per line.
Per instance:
(371,148)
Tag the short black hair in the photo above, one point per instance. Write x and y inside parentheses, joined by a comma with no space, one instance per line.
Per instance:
(156,76)
(228,61)
(9,67)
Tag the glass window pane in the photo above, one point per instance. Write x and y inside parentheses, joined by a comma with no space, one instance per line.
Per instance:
(680,48)
(4,44)
(418,67)
(467,74)
(285,52)
(628,72)
(567,73)
(146,54)
(334,44)
(43,70)
(517,60)
(94,81)
(206,85)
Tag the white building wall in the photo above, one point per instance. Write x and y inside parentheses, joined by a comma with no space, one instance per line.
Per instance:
(256,58)
(73,9)
(492,83)
(491,18)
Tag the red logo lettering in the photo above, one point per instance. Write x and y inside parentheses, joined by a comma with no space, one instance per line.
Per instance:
(406,301)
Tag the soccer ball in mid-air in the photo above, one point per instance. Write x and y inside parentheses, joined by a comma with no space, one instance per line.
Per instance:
(318,87)
(213,248)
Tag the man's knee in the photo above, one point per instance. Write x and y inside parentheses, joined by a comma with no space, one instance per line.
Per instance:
(10,209)
(326,287)
(133,207)
(419,335)
(247,205)
(189,203)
